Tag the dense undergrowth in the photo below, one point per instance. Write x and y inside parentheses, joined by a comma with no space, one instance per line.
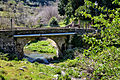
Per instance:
(103,66)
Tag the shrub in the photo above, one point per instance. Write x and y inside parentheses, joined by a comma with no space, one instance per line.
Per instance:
(1,77)
(38,26)
(3,56)
(108,64)
(53,22)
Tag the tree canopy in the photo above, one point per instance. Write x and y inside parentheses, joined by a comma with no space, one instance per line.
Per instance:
(72,8)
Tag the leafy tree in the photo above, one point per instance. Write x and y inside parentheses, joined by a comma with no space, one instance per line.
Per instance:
(68,7)
(73,8)
(105,48)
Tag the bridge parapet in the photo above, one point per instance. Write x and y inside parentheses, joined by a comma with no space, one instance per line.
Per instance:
(48,30)
(52,30)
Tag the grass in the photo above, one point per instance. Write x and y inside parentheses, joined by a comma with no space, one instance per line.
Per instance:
(4,14)
(23,70)
(104,66)
(41,47)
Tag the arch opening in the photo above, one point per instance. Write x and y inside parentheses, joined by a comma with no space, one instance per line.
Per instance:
(42,50)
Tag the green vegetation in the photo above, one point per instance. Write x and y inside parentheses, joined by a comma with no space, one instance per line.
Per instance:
(98,55)
(73,8)
(62,24)
(103,66)
(3,13)
(41,47)
(53,22)
(23,70)
(100,59)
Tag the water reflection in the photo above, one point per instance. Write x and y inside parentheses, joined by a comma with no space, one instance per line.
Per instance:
(39,57)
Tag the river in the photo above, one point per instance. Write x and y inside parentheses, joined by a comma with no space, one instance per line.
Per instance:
(38,57)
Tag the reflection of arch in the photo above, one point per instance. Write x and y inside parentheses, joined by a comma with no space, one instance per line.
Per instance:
(59,40)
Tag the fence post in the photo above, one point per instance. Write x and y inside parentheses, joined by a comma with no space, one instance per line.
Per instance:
(86,25)
(11,23)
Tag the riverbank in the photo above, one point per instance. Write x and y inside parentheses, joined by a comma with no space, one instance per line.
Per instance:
(99,67)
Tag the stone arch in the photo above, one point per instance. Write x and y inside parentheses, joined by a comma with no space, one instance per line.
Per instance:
(59,40)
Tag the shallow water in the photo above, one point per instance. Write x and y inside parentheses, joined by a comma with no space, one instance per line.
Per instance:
(36,54)
(38,57)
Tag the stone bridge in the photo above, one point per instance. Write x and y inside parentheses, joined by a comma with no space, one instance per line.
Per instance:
(13,41)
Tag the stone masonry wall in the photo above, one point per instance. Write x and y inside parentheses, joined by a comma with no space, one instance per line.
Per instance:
(7,44)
